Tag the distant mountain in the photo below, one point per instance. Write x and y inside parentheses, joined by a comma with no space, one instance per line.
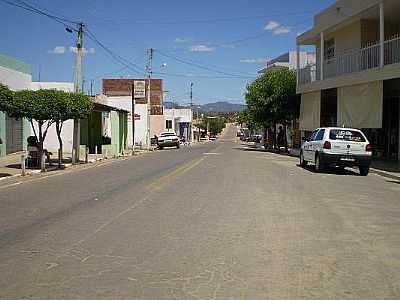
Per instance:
(216,107)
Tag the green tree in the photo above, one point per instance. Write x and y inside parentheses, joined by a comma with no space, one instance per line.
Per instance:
(66,106)
(5,97)
(33,106)
(271,98)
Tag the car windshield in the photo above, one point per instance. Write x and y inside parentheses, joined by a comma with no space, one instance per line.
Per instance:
(346,135)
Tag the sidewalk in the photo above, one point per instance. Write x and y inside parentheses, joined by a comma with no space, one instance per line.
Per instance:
(10,165)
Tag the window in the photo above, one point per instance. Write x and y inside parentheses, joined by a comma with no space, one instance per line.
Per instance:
(320,135)
(312,137)
(168,124)
(329,49)
(346,135)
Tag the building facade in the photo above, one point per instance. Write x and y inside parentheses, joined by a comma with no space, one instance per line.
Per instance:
(13,132)
(119,94)
(289,60)
(355,81)
(179,120)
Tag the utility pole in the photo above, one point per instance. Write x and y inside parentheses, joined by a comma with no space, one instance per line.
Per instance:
(191,108)
(149,73)
(77,89)
(91,87)
(133,117)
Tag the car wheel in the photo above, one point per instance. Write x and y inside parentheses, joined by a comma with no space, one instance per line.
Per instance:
(178,146)
(303,163)
(160,148)
(364,170)
(319,166)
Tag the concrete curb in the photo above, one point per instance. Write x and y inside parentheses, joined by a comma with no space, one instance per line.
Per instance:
(385,174)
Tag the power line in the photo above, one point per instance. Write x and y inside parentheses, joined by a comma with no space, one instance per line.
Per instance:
(201,76)
(200,21)
(31,8)
(44,10)
(121,60)
(198,65)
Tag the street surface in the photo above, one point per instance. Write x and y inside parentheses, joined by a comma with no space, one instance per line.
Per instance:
(213,221)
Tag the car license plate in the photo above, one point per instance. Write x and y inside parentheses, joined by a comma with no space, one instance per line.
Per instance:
(347,159)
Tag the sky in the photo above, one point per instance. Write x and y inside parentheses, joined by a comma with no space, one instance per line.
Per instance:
(217,45)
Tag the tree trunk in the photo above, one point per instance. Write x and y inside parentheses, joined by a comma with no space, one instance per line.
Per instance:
(60,142)
(274,143)
(40,146)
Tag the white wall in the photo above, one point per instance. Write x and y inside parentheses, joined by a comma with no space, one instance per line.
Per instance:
(177,115)
(51,142)
(125,102)
(59,86)
(15,80)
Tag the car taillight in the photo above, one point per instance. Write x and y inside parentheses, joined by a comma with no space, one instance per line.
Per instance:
(327,145)
(368,148)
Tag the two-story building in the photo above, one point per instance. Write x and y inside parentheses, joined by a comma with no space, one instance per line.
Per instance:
(356,79)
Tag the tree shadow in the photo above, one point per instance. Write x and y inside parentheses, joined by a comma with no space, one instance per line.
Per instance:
(2,175)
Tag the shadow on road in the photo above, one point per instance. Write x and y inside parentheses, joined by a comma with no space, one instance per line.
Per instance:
(330,170)
(4,175)
(393,181)
(250,149)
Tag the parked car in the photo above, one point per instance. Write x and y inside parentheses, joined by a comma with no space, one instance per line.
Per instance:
(343,147)
(168,139)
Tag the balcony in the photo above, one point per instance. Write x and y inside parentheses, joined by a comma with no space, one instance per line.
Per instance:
(354,61)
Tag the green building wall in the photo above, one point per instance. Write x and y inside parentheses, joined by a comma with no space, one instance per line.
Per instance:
(3,134)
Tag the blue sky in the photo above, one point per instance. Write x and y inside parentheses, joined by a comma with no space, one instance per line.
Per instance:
(202,32)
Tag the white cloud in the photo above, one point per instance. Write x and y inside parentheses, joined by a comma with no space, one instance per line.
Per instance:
(201,48)
(282,30)
(272,25)
(85,51)
(57,50)
(254,60)
(229,46)
(182,40)
(276,28)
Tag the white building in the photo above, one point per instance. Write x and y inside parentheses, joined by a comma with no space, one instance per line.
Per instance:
(125,102)
(179,120)
(51,141)
(289,60)
(13,132)
(355,81)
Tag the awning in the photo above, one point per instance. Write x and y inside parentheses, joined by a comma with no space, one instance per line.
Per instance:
(310,111)
(360,106)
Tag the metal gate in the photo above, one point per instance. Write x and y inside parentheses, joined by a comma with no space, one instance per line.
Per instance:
(14,135)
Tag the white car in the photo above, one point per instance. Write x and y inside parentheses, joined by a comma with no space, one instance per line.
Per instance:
(168,139)
(343,147)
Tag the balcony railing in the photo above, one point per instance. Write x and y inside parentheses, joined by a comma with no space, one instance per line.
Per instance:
(353,61)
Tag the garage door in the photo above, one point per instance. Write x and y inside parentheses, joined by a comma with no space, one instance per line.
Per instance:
(14,130)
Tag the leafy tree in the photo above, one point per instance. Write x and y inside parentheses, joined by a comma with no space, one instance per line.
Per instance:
(5,97)
(215,125)
(271,98)
(66,106)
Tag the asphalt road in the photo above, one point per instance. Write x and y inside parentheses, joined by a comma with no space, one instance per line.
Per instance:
(215,221)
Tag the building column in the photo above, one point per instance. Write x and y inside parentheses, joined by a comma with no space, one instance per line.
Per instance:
(322,55)
(298,63)
(382,33)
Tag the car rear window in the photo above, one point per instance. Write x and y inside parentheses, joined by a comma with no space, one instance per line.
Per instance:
(346,135)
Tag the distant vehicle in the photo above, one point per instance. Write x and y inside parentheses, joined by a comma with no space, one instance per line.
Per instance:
(343,147)
(213,138)
(168,139)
